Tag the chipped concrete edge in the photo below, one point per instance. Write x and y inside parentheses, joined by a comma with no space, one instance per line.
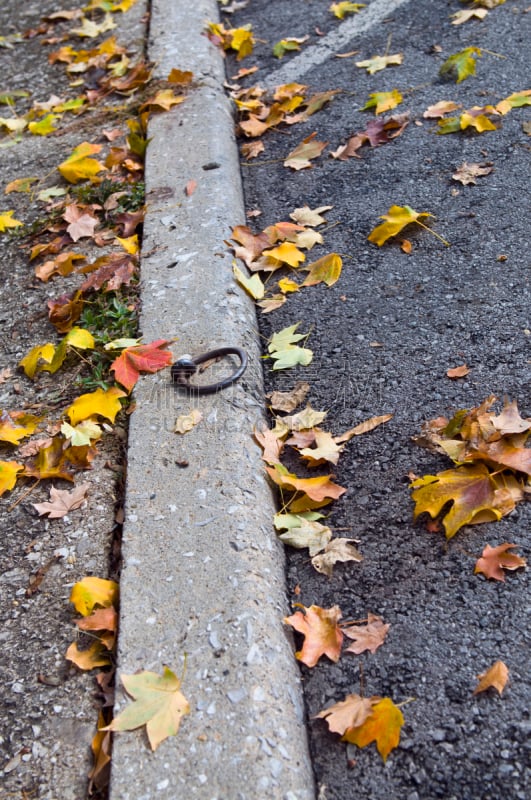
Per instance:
(203,573)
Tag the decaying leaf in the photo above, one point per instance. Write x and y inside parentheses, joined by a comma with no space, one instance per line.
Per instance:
(96,655)
(348,713)
(377,63)
(289,44)
(467,173)
(476,494)
(383,101)
(382,726)
(440,109)
(366,637)
(289,401)
(495,677)
(321,631)
(241,40)
(91,592)
(320,489)
(62,501)
(308,216)
(158,704)
(467,14)
(186,422)
(308,533)
(457,372)
(363,427)
(461,65)
(494,560)
(337,550)
(301,157)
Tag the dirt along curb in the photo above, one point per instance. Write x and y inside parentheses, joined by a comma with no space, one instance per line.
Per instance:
(203,574)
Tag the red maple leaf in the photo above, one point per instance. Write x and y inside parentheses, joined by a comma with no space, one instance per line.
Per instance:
(141,358)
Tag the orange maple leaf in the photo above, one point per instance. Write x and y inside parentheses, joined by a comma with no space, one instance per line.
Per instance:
(141,358)
(367,637)
(383,727)
(495,559)
(495,677)
(322,634)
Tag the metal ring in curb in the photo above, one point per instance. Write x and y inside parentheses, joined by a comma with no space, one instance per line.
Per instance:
(185,367)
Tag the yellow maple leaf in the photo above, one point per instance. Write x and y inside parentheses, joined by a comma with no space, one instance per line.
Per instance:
(158,704)
(44,126)
(42,352)
(382,726)
(396,219)
(92,591)
(341,9)
(7,221)
(105,403)
(95,656)
(130,244)
(8,475)
(16,425)
(383,101)
(79,166)
(287,252)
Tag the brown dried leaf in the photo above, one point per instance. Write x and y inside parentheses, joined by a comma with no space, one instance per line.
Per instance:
(363,427)
(348,713)
(62,501)
(288,401)
(366,637)
(495,559)
(457,372)
(495,677)
(337,550)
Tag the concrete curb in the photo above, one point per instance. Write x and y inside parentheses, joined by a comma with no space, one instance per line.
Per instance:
(202,571)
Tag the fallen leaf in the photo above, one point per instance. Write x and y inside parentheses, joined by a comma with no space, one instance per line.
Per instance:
(21,185)
(158,704)
(383,101)
(457,372)
(190,188)
(62,501)
(309,217)
(300,158)
(319,489)
(97,655)
(253,285)
(515,100)
(101,402)
(341,9)
(308,533)
(64,312)
(79,166)
(467,14)
(382,726)
(326,449)
(396,219)
(8,475)
(285,352)
(62,264)
(92,591)
(363,427)
(287,252)
(289,401)
(322,634)
(495,559)
(510,421)
(366,637)
(467,173)
(85,433)
(239,39)
(326,269)
(495,677)
(378,63)
(132,361)
(182,77)
(81,224)
(476,494)
(16,425)
(90,29)
(440,109)
(337,550)
(348,713)
(286,45)
(271,445)
(462,65)
(186,422)
(59,459)
(252,150)
(8,221)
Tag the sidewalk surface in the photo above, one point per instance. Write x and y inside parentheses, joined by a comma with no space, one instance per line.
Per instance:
(203,581)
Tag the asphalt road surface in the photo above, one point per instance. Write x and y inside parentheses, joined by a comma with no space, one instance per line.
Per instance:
(383,338)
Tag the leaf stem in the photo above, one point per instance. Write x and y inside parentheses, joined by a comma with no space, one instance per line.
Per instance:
(437,235)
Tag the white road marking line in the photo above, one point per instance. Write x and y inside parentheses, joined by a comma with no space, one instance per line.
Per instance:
(333,42)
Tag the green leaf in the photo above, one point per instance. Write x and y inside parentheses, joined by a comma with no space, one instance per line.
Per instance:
(461,65)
